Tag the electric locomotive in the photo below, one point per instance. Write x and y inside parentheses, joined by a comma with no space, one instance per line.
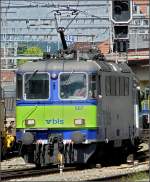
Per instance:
(75,108)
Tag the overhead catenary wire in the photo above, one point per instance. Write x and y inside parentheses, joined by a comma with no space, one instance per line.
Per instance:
(86,15)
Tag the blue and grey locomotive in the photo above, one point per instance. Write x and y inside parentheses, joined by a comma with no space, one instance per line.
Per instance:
(77,109)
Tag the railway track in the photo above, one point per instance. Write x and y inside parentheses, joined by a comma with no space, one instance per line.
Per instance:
(22,173)
(101,176)
(33,172)
(120,172)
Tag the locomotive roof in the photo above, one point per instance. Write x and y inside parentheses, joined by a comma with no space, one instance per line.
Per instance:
(73,65)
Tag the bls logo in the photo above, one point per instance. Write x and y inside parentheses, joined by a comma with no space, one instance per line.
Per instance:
(54,121)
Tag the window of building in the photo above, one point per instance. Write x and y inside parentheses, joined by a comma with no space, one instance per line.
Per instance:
(145,22)
(134,8)
(137,22)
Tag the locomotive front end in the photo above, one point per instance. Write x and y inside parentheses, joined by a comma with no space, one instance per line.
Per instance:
(56,113)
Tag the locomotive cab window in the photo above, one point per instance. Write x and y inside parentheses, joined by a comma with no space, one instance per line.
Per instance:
(19,86)
(36,86)
(73,86)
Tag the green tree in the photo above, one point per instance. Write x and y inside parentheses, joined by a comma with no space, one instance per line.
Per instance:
(32,51)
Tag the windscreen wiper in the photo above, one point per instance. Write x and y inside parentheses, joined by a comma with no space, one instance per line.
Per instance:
(31,76)
(69,77)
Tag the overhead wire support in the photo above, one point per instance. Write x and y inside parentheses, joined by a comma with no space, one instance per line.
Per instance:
(51,19)
(51,6)
(60,29)
(59,12)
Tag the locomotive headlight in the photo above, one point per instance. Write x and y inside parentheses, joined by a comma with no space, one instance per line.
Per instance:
(79,121)
(30,122)
(54,76)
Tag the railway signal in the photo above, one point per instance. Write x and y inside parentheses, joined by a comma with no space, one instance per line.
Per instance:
(121,45)
(120,38)
(121,32)
(121,15)
(121,11)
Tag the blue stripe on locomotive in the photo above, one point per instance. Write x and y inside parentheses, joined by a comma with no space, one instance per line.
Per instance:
(43,135)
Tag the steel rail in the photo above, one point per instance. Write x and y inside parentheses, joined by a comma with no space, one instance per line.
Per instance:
(27,172)
(22,173)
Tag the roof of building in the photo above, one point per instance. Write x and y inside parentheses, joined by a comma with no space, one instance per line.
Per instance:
(82,46)
(104,47)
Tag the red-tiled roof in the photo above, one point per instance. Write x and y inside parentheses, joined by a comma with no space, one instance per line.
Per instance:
(85,46)
(104,47)
(82,46)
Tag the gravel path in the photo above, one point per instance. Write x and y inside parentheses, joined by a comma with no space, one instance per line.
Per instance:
(15,163)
